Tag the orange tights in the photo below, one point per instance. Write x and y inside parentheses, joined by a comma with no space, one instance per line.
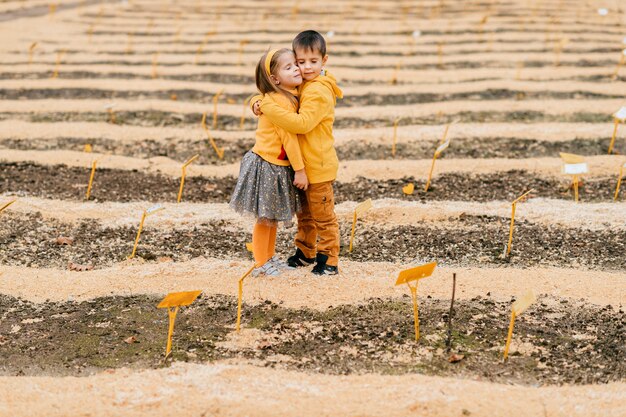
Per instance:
(263,242)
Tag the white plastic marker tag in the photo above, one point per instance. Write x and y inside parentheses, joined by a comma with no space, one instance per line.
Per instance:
(603,12)
(624,52)
(524,302)
(620,114)
(624,41)
(330,33)
(417,34)
(442,147)
(575,169)
(154,209)
(363,207)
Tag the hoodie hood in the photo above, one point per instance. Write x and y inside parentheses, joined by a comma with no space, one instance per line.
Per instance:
(329,80)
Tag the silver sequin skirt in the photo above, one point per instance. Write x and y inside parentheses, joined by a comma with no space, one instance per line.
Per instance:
(265,190)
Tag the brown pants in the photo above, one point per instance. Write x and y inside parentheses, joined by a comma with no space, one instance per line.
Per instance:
(318,220)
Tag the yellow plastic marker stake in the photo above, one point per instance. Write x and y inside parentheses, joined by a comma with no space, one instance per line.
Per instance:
(240,299)
(216,97)
(518,73)
(52,7)
(517,309)
(440,55)
(173,301)
(88,148)
(358,211)
(57,64)
(415,274)
(129,44)
(182,178)
(155,59)
(618,117)
(619,181)
(249,247)
(242,45)
(394,77)
(109,109)
(243,113)
(443,145)
(558,48)
(31,51)
(622,59)
(395,136)
(574,166)
(7,205)
(202,44)
(218,151)
(93,172)
(513,205)
(145,214)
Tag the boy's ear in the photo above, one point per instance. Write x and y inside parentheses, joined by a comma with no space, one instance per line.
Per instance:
(324,60)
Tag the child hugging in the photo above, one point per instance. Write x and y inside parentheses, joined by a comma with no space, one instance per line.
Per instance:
(266,185)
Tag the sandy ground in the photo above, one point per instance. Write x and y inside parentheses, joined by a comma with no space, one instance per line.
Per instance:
(553,132)
(385,213)
(249,389)
(348,170)
(224,389)
(358,281)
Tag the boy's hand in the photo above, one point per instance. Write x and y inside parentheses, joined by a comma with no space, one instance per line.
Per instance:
(256,108)
(301,181)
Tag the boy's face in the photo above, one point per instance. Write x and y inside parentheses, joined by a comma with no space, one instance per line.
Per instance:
(310,63)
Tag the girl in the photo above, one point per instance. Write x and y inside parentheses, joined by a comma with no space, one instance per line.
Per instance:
(265,187)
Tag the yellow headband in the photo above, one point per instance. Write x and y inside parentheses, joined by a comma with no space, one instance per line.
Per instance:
(268,60)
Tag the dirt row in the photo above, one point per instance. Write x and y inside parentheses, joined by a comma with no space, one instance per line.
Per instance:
(242,79)
(370,99)
(464,240)
(226,122)
(62,182)
(556,341)
(182,150)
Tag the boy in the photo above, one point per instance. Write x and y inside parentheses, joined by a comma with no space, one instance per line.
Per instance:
(314,125)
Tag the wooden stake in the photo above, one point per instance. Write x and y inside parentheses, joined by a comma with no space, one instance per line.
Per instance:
(449,340)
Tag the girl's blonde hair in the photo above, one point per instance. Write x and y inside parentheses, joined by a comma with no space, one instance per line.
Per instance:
(263,80)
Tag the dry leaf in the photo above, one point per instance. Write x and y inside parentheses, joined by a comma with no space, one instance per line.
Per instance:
(455,357)
(63,240)
(130,340)
(77,267)
(162,259)
(210,187)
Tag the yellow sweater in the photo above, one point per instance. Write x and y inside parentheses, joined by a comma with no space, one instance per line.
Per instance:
(275,144)
(315,121)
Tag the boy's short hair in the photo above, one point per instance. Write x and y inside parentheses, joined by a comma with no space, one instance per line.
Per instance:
(309,40)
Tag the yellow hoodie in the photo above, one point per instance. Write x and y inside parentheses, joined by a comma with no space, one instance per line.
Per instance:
(275,144)
(315,121)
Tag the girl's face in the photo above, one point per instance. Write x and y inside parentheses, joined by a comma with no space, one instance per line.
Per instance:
(288,75)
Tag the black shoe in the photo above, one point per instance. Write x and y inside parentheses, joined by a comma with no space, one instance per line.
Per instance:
(299,260)
(321,268)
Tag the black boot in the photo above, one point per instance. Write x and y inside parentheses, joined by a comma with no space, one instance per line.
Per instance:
(299,260)
(321,268)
